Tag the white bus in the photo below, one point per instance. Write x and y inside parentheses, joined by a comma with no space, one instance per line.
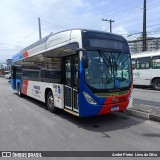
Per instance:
(7,74)
(77,71)
(146,69)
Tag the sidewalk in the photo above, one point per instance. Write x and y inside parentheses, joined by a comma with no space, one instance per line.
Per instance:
(144,111)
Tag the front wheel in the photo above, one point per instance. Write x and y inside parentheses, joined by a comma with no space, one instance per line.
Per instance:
(156,84)
(50,103)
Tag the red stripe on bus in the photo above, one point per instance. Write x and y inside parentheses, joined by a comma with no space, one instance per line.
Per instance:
(25,87)
(25,54)
(107,108)
(121,101)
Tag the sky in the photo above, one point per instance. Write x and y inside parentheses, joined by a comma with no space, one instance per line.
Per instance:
(19,19)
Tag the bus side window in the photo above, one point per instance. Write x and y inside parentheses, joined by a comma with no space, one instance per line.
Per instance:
(32,75)
(43,75)
(133,63)
(143,63)
(138,64)
(156,62)
(52,76)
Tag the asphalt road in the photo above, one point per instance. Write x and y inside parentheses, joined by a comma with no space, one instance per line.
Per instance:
(146,96)
(25,125)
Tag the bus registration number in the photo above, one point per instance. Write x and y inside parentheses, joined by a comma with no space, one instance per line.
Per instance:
(115,108)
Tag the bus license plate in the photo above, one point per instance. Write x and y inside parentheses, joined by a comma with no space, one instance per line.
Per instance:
(115,108)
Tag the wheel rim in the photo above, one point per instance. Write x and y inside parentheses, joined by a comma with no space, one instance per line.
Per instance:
(157,84)
(50,102)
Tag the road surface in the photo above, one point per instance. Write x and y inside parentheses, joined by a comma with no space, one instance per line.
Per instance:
(25,125)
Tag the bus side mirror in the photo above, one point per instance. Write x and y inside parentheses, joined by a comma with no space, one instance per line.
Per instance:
(84,62)
(80,49)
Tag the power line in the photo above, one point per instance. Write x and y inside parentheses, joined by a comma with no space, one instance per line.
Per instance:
(124,13)
(119,12)
(153,25)
(141,33)
(53,24)
(153,4)
(97,24)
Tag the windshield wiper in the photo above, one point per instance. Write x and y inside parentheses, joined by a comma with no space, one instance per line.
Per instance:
(108,63)
(119,56)
(106,60)
(125,61)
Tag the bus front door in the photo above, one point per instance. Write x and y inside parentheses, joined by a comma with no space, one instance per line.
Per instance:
(71,82)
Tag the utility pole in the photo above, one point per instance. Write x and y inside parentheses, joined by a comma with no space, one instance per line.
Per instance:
(39,26)
(144,27)
(110,22)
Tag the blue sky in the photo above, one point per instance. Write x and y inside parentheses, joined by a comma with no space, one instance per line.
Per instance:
(19,24)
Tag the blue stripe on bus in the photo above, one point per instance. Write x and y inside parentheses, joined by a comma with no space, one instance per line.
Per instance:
(86,109)
(17,57)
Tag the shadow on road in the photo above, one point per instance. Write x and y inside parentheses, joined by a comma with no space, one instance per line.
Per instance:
(103,123)
(151,135)
(143,87)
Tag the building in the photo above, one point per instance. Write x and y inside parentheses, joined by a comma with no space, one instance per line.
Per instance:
(9,63)
(136,46)
(2,69)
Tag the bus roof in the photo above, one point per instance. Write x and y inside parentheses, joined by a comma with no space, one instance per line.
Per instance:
(52,41)
(146,54)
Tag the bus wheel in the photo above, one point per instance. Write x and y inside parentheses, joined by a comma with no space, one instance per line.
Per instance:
(19,91)
(50,102)
(156,84)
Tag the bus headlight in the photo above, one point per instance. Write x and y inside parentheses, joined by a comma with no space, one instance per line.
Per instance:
(89,98)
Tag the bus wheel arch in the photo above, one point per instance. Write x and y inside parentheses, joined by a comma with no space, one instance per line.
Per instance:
(156,83)
(49,99)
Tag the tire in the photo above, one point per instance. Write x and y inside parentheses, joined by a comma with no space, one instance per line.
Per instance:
(50,102)
(156,84)
(19,91)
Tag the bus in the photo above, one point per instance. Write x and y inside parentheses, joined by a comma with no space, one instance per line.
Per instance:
(83,72)
(146,69)
(7,74)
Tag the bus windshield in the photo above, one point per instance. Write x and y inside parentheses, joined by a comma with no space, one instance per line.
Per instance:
(108,70)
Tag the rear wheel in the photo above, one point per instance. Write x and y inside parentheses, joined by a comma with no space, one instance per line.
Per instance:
(19,90)
(156,84)
(50,102)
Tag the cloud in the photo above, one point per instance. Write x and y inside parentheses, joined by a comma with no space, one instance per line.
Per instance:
(7,51)
(19,21)
(120,30)
(19,18)
(102,3)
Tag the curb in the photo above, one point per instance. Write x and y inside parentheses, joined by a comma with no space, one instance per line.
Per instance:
(142,114)
(137,113)
(144,111)
(154,118)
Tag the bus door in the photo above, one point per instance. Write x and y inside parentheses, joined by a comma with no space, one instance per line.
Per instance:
(13,77)
(71,69)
